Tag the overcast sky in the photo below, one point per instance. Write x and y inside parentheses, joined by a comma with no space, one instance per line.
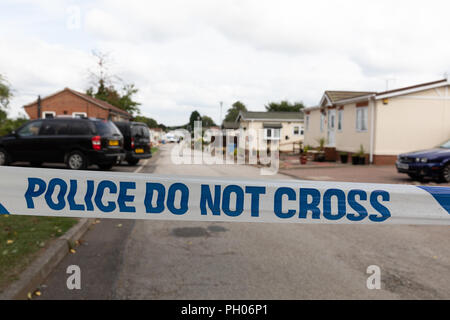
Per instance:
(190,55)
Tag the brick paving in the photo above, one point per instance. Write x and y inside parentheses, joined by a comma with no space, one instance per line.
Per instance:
(350,173)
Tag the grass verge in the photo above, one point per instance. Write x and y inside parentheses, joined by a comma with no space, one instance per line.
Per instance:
(22,237)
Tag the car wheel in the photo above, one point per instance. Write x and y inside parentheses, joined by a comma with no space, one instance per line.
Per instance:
(106,166)
(4,157)
(133,162)
(446,173)
(76,160)
(413,176)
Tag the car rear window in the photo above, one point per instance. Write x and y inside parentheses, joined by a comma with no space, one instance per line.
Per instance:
(105,128)
(139,130)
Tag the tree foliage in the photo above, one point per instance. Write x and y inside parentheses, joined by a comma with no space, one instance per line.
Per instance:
(284,106)
(195,116)
(150,122)
(7,125)
(208,122)
(5,93)
(233,112)
(103,87)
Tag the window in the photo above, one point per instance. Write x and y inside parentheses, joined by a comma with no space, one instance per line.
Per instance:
(340,118)
(31,129)
(307,121)
(50,128)
(272,134)
(48,114)
(79,115)
(139,131)
(322,121)
(296,130)
(80,127)
(106,128)
(361,118)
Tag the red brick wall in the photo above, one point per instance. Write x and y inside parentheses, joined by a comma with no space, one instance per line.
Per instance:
(384,160)
(65,103)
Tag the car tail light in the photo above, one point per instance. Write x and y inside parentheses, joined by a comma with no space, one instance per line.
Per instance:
(96,143)
(132,143)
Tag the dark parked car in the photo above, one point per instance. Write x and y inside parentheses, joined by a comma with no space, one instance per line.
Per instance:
(76,142)
(433,163)
(136,141)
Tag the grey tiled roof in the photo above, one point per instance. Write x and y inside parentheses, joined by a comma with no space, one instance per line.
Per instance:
(272,115)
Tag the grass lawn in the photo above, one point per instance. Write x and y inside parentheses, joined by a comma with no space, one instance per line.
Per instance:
(154,149)
(22,237)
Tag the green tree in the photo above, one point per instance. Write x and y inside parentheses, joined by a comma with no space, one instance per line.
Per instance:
(207,122)
(284,106)
(5,93)
(233,112)
(150,122)
(103,88)
(195,115)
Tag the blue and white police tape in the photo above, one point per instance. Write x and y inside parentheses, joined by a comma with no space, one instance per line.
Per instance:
(91,194)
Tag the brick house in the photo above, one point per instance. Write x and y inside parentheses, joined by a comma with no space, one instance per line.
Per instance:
(71,103)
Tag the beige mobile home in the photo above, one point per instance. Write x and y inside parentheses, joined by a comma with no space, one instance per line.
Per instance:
(385,123)
(285,127)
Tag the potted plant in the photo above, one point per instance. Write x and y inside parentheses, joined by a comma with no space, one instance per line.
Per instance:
(321,153)
(362,155)
(355,159)
(344,157)
(304,155)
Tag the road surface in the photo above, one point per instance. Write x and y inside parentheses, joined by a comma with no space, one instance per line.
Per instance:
(123,259)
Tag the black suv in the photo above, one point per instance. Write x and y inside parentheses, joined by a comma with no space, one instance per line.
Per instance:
(136,141)
(76,142)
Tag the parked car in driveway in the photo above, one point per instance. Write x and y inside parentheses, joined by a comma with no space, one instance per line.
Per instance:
(76,142)
(433,163)
(137,144)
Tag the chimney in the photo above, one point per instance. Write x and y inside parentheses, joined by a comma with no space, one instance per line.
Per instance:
(39,107)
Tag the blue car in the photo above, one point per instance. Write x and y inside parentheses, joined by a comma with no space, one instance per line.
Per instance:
(433,163)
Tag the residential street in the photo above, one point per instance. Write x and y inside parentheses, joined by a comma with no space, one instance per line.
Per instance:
(125,259)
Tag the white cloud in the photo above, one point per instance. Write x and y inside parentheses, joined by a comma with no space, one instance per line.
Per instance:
(192,55)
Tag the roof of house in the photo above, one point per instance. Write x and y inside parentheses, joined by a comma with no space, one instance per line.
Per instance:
(335,96)
(342,97)
(270,116)
(230,125)
(98,102)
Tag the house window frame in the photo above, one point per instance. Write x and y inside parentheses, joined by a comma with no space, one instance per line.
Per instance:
(272,137)
(322,121)
(299,129)
(44,113)
(76,114)
(360,120)
(340,120)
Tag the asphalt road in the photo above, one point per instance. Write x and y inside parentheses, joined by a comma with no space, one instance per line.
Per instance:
(123,259)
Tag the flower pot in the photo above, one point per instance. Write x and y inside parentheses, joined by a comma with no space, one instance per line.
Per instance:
(362,160)
(344,158)
(321,158)
(355,160)
(303,159)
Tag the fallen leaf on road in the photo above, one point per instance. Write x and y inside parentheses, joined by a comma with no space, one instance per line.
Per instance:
(38,293)
(9,241)
(72,250)
(119,225)
(29,296)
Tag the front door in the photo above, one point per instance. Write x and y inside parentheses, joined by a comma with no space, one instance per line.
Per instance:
(331,127)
